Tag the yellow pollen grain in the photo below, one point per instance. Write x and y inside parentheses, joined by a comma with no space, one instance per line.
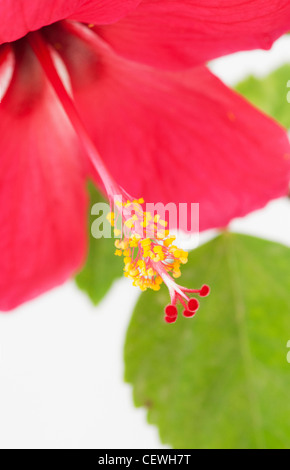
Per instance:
(146,242)
(129,223)
(176,275)
(169,241)
(161,235)
(155,287)
(163,223)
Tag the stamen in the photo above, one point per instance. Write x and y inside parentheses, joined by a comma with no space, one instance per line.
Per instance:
(151,258)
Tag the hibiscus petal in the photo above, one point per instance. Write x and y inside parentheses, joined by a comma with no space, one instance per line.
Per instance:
(181,137)
(178,33)
(42,189)
(105,12)
(18,18)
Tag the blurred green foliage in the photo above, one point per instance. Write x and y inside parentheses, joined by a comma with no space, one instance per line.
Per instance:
(270,94)
(220,380)
(102,268)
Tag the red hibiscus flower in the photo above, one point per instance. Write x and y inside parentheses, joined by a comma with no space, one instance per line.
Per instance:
(164,134)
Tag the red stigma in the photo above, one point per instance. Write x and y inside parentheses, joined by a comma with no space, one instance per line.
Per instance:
(204,291)
(170,319)
(171,314)
(189,314)
(193,305)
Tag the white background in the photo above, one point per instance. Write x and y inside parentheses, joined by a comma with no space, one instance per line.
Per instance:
(61,368)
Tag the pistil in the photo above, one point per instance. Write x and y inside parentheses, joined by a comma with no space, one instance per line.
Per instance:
(150,256)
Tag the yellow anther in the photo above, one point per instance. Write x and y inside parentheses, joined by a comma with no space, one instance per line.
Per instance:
(169,241)
(117,232)
(118,252)
(161,235)
(127,260)
(146,242)
(110,216)
(163,223)
(134,272)
(148,216)
(134,240)
(128,267)
(156,218)
(178,253)
(136,207)
(176,274)
(155,287)
(127,252)
(129,223)
(123,245)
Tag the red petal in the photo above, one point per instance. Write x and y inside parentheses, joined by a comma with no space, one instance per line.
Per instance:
(18,18)
(105,12)
(42,195)
(182,137)
(178,33)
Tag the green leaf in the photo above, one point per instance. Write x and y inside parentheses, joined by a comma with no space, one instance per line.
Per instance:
(220,380)
(102,267)
(270,94)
